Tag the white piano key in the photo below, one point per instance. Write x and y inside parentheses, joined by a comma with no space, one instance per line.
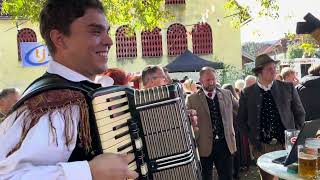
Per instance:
(112,134)
(101,99)
(106,105)
(108,120)
(107,113)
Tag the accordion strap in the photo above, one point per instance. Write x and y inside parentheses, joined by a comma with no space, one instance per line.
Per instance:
(53,82)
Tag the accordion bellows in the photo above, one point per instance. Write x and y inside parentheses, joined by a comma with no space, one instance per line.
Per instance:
(152,124)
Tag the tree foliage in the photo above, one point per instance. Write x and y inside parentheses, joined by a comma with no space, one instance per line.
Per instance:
(141,14)
(301,45)
(241,14)
(137,14)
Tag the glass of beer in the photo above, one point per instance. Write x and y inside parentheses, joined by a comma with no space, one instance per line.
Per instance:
(291,136)
(314,142)
(307,159)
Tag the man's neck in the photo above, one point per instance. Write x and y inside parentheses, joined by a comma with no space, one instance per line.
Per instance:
(70,66)
(264,83)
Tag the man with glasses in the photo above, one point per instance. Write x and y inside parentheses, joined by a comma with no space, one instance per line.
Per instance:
(153,76)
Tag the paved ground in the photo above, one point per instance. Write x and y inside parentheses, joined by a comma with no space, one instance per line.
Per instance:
(251,174)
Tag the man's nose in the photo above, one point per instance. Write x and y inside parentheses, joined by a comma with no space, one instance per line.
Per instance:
(108,41)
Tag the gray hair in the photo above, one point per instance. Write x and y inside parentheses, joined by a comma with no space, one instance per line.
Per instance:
(148,73)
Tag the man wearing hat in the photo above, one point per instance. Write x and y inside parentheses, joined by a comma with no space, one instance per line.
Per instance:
(267,108)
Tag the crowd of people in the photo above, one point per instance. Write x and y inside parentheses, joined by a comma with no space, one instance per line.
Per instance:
(47,136)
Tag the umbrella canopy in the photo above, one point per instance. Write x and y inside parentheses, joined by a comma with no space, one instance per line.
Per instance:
(188,62)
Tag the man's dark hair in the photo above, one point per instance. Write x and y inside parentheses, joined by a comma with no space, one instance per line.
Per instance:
(59,15)
(148,73)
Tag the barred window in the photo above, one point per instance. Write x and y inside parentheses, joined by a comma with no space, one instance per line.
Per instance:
(177,42)
(202,38)
(151,43)
(175,1)
(25,35)
(126,46)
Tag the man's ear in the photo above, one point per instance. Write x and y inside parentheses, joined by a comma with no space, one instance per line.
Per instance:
(58,39)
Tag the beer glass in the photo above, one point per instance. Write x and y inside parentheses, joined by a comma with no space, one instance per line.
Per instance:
(314,142)
(307,159)
(291,136)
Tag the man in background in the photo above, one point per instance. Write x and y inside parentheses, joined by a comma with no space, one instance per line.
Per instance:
(289,75)
(216,136)
(267,109)
(8,97)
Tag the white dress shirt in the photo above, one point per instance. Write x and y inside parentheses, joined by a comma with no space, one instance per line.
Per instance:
(39,156)
(213,93)
(265,88)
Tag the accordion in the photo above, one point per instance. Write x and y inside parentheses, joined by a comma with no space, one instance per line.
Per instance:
(153,125)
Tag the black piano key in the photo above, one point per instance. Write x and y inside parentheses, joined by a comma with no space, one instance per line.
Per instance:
(124,147)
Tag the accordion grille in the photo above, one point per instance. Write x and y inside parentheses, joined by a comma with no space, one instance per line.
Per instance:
(164,132)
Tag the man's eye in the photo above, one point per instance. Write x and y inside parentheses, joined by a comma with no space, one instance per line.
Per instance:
(96,32)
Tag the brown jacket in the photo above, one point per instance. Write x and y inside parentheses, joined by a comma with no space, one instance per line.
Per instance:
(288,103)
(204,137)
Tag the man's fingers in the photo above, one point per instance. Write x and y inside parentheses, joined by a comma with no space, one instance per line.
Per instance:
(132,174)
(192,112)
(128,157)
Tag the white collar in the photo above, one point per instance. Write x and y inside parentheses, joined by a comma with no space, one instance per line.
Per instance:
(61,70)
(213,93)
(67,73)
(269,86)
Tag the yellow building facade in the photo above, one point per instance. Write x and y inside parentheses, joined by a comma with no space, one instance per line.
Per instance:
(226,43)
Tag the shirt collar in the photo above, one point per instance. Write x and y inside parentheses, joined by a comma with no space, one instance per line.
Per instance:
(67,73)
(266,88)
(61,70)
(213,93)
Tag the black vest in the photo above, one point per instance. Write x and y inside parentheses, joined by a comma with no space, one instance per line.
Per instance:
(215,115)
(271,125)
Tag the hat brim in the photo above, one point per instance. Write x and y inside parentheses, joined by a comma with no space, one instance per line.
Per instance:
(262,65)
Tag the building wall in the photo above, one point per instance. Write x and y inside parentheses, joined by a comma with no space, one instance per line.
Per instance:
(12,74)
(226,43)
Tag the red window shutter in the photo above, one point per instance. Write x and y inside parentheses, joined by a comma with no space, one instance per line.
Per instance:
(202,39)
(151,42)
(175,1)
(126,46)
(176,39)
(25,35)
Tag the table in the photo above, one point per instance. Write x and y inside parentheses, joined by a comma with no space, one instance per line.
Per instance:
(266,164)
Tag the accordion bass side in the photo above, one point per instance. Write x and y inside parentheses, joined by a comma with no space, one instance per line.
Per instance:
(153,125)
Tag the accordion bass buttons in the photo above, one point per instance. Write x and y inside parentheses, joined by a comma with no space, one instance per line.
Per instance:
(138,143)
(144,169)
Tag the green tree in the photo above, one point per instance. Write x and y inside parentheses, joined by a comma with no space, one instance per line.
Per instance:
(137,14)
(229,74)
(295,52)
(140,14)
(242,14)
(301,45)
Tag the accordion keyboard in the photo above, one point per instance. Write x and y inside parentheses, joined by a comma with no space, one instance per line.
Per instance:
(153,125)
(112,116)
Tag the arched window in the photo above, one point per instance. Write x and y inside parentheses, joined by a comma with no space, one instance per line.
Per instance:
(151,43)
(25,35)
(176,39)
(175,1)
(126,45)
(202,38)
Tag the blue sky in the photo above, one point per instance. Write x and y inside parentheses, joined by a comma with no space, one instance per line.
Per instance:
(267,29)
